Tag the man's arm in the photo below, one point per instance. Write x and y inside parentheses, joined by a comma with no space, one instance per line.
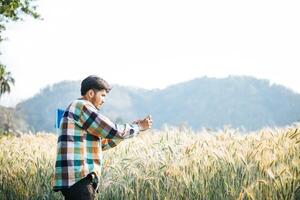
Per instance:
(100,126)
(109,143)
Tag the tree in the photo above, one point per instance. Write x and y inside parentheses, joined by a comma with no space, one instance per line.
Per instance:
(8,121)
(5,80)
(14,10)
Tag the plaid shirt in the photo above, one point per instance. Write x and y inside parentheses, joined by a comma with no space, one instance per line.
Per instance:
(84,134)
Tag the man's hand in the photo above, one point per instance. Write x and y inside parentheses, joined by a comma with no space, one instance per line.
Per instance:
(145,124)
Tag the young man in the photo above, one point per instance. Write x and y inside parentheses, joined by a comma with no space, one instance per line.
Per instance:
(84,134)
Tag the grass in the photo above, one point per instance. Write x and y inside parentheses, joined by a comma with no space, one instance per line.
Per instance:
(169,164)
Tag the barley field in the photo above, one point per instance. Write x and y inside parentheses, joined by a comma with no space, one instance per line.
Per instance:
(169,164)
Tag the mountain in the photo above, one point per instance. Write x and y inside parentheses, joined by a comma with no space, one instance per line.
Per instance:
(239,101)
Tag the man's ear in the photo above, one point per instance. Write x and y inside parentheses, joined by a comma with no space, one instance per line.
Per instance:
(91,93)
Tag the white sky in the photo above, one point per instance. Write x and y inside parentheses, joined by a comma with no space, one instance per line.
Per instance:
(152,44)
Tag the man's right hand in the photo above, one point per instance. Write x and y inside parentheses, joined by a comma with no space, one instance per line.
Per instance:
(146,123)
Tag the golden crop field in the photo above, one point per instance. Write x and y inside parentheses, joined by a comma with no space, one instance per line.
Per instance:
(169,164)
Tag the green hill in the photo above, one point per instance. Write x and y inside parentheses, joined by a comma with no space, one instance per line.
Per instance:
(242,102)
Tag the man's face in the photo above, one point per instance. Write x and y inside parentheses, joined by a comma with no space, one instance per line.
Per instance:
(98,98)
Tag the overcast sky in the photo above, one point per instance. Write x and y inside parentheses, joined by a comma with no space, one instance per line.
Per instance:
(152,44)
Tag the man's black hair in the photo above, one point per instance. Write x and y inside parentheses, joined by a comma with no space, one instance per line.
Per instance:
(95,83)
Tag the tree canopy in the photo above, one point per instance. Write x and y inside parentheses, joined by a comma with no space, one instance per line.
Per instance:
(15,10)
(6,80)
(12,10)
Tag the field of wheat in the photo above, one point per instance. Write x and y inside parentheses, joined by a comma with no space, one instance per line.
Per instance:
(169,164)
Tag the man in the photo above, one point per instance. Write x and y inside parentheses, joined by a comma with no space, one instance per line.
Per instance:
(84,134)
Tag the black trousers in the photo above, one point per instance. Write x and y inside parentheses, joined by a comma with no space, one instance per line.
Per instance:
(85,189)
